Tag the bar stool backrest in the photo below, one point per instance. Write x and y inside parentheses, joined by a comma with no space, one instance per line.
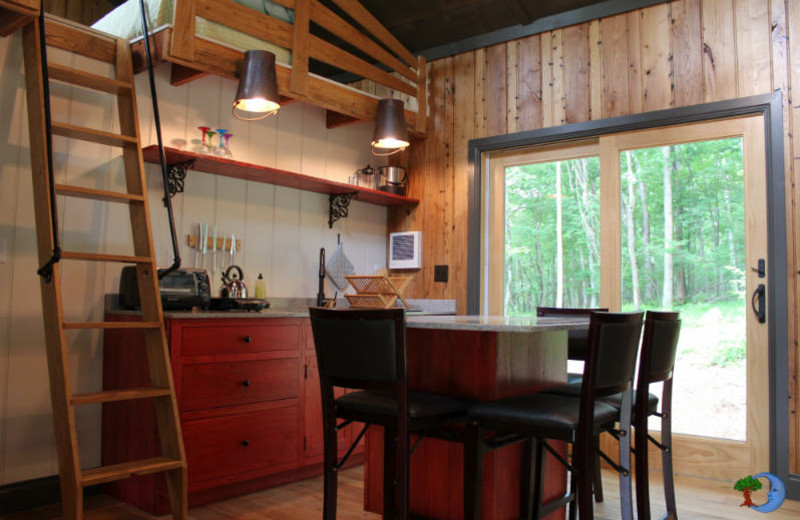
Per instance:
(661,333)
(362,349)
(613,347)
(577,339)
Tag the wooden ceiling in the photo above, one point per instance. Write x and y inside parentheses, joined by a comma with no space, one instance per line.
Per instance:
(425,24)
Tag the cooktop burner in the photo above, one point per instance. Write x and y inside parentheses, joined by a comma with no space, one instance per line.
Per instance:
(238,304)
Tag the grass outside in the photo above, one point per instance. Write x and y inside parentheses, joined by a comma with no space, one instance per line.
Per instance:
(710,392)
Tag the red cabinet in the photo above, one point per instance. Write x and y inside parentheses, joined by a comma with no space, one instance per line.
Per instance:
(249,401)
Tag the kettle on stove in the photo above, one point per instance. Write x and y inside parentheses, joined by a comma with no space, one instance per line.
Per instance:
(232,285)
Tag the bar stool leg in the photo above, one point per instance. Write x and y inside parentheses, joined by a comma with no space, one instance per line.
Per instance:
(625,492)
(666,454)
(642,470)
(597,487)
(474,451)
(527,480)
(331,476)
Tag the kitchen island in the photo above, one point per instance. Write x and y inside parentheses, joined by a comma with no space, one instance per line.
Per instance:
(481,358)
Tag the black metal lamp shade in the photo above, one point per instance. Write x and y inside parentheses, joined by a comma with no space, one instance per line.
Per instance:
(258,86)
(390,135)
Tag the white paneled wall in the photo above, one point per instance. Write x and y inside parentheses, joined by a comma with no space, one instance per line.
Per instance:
(281,229)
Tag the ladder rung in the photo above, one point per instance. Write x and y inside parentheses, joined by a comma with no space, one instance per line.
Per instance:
(127,394)
(89,193)
(86,79)
(96,257)
(92,135)
(113,325)
(94,476)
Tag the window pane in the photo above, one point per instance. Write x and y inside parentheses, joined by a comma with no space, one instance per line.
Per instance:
(552,223)
(683,249)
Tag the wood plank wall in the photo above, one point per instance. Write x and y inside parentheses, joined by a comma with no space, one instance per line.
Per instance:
(281,229)
(670,55)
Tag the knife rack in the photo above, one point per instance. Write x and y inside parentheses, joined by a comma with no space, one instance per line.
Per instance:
(222,244)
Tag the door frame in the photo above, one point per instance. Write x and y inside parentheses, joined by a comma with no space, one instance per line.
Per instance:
(768,105)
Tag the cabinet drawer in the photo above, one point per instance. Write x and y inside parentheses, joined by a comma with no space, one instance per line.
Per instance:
(226,384)
(200,341)
(234,444)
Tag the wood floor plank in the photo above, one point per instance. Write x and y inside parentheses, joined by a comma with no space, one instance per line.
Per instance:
(696,498)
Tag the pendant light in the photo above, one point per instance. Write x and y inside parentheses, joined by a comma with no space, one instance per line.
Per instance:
(258,87)
(390,134)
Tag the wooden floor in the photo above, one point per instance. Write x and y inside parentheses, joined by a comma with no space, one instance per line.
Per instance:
(303,501)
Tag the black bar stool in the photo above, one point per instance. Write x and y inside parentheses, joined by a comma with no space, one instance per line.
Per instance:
(577,346)
(613,340)
(366,350)
(656,364)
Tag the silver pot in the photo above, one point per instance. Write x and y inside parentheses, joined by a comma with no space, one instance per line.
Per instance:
(393,175)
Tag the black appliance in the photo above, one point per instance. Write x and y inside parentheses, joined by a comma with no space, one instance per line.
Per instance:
(181,289)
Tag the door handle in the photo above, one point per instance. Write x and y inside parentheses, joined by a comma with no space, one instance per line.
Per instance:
(759,303)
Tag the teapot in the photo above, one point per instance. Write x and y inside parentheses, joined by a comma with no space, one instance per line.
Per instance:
(232,285)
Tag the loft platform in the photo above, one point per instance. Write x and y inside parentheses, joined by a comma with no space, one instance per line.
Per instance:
(200,37)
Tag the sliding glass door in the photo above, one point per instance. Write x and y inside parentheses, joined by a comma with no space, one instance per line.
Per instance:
(672,218)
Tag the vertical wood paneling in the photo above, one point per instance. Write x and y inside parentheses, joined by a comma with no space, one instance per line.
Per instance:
(657,57)
(559,95)
(687,52)
(529,97)
(512,86)
(495,89)
(547,80)
(463,131)
(595,71)
(793,31)
(615,66)
(576,73)
(480,93)
(635,65)
(434,159)
(753,47)
(719,60)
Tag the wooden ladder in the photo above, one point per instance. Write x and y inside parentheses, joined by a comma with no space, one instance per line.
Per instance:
(172,460)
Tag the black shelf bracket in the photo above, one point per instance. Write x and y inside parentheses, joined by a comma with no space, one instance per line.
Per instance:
(339,206)
(176,175)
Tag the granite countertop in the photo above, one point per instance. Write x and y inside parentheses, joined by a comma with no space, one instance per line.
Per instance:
(284,308)
(496,323)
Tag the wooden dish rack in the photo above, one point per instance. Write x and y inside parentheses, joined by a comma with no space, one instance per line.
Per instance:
(377,291)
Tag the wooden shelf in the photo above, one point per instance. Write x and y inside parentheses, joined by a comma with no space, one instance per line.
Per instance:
(256,173)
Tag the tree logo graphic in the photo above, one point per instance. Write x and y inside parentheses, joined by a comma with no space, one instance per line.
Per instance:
(750,484)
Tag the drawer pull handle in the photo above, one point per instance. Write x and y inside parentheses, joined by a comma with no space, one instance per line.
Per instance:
(248,339)
(246,383)
(245,443)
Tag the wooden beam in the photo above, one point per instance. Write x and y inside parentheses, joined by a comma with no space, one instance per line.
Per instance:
(183,35)
(359,13)
(336,25)
(302,21)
